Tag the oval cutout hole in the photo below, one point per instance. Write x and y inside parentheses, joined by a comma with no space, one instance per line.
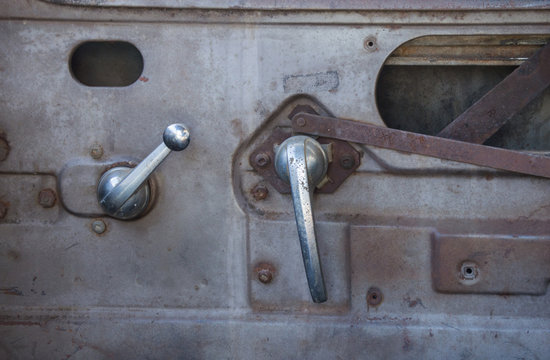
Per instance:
(106,63)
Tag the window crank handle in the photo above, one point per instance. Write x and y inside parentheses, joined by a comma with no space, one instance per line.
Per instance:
(123,192)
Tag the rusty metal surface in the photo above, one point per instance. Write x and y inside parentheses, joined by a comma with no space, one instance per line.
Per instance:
(503,265)
(261,159)
(354,131)
(479,122)
(399,262)
(345,159)
(28,199)
(182,281)
(276,243)
(501,50)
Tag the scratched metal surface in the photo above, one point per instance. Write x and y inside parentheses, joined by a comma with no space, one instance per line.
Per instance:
(181,282)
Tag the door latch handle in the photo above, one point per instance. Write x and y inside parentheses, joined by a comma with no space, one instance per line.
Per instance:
(302,162)
(123,192)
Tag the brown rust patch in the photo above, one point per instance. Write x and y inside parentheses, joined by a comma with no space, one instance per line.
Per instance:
(4,148)
(13,255)
(413,302)
(14,290)
(237,128)
(4,206)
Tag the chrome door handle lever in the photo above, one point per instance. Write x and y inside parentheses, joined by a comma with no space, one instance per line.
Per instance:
(302,162)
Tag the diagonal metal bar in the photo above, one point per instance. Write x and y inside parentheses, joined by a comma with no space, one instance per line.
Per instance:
(354,131)
(481,120)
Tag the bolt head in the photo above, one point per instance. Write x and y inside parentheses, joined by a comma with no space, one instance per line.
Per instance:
(176,137)
(265,272)
(96,152)
(260,192)
(262,159)
(98,226)
(47,198)
(265,276)
(347,162)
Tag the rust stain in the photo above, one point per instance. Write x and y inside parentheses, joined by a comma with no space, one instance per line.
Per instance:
(4,206)
(407,343)
(11,291)
(374,296)
(20,323)
(237,128)
(413,302)
(13,255)
(144,79)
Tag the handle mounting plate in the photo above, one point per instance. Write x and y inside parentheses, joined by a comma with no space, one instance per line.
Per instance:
(345,158)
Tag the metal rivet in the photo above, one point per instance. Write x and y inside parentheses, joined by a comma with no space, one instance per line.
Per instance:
(347,161)
(96,151)
(265,272)
(262,159)
(47,198)
(260,192)
(374,296)
(301,122)
(99,227)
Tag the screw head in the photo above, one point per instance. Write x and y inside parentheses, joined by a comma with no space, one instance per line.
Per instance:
(260,192)
(96,152)
(98,226)
(47,198)
(301,122)
(374,296)
(347,161)
(262,159)
(265,273)
(176,137)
